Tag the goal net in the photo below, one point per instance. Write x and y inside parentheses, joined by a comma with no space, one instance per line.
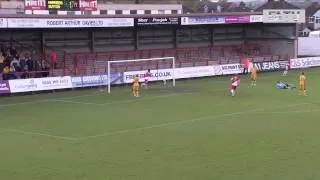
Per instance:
(148,70)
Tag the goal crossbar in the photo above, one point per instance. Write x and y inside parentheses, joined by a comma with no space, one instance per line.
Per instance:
(139,60)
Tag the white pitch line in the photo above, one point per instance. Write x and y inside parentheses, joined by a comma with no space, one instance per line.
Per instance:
(77,102)
(143,128)
(133,100)
(293,112)
(125,101)
(48,100)
(90,95)
(184,122)
(38,134)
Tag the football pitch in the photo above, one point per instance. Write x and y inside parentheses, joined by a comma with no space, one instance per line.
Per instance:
(194,131)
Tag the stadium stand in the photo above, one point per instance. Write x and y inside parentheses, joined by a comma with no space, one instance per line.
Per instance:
(83,63)
(191,48)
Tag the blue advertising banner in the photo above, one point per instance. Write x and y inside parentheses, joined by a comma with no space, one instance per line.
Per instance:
(197,20)
(4,87)
(95,80)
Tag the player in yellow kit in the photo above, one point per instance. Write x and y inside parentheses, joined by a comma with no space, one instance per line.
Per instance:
(302,83)
(135,86)
(253,75)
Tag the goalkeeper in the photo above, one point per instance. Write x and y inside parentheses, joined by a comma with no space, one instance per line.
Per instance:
(282,85)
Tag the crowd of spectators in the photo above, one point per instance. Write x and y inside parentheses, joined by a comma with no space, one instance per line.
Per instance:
(15,65)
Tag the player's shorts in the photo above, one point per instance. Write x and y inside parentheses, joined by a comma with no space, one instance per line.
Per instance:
(302,87)
(135,88)
(146,81)
(253,77)
(234,87)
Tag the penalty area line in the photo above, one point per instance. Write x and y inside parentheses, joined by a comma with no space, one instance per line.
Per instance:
(49,100)
(152,126)
(135,99)
(125,101)
(186,121)
(38,134)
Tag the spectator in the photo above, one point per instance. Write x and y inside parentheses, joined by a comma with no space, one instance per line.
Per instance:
(29,64)
(5,73)
(23,67)
(8,59)
(45,68)
(2,48)
(15,64)
(13,51)
(53,58)
(2,58)
(12,73)
(23,63)
(245,64)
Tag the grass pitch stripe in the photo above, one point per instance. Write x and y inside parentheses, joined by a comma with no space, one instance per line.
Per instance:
(155,126)
(188,121)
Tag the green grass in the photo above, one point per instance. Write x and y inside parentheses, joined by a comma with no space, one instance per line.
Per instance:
(204,134)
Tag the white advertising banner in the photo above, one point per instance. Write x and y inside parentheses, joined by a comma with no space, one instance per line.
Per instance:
(304,62)
(69,23)
(256,18)
(166,74)
(227,69)
(23,85)
(40,84)
(198,20)
(193,72)
(284,16)
(156,75)
(3,23)
(55,83)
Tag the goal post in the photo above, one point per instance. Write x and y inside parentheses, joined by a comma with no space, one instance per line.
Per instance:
(134,62)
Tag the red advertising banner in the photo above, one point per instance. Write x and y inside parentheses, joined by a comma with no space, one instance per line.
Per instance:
(35,4)
(88,5)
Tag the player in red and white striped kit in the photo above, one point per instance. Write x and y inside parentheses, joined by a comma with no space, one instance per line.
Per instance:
(147,75)
(286,70)
(235,82)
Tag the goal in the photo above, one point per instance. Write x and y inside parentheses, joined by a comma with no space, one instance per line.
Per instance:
(161,69)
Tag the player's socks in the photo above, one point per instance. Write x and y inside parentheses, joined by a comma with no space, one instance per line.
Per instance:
(233,93)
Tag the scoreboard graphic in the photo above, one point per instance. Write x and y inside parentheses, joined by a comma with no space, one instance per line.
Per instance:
(68,5)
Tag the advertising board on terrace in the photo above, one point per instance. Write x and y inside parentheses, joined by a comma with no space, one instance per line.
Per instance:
(35,4)
(69,23)
(157,21)
(120,22)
